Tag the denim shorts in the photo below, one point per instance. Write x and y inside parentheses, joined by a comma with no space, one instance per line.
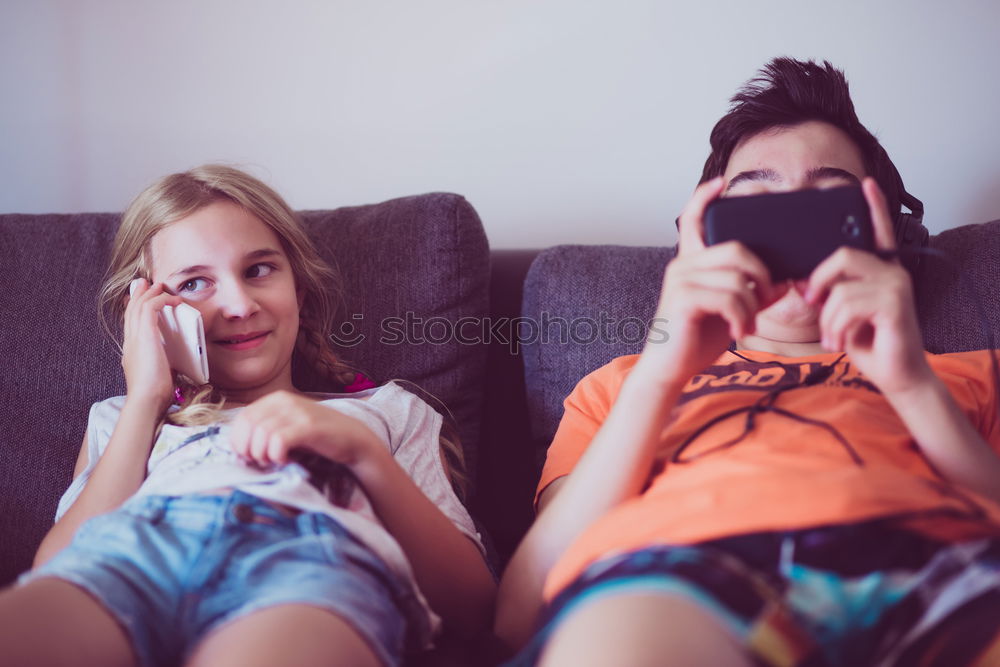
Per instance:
(861,594)
(172,569)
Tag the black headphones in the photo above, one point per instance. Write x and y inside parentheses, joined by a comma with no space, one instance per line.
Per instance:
(908,227)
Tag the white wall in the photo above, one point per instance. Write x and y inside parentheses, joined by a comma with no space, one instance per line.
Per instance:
(560,120)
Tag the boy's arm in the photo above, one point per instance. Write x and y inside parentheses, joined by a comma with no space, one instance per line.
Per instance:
(946,437)
(612,470)
(709,297)
(869,312)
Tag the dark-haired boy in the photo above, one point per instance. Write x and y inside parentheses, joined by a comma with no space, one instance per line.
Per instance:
(827,494)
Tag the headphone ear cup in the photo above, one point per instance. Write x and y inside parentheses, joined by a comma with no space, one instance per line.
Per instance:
(910,231)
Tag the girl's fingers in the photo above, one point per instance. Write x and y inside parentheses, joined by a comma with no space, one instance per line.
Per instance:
(278,447)
(239,435)
(137,287)
(144,318)
(141,293)
(276,450)
(262,432)
(259,439)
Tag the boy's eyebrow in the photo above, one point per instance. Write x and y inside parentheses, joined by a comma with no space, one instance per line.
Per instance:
(199,268)
(813,175)
(831,172)
(753,175)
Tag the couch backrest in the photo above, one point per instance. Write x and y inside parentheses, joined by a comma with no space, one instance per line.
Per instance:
(405,260)
(608,288)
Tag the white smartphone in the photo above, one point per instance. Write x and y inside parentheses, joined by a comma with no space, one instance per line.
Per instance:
(183,336)
(184,339)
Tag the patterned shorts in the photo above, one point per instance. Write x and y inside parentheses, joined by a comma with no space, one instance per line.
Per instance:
(862,594)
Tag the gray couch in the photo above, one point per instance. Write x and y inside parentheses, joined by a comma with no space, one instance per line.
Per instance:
(426,256)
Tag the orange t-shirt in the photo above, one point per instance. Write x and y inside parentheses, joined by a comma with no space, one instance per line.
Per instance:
(785,474)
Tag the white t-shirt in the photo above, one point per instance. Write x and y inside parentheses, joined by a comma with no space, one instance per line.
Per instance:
(194,459)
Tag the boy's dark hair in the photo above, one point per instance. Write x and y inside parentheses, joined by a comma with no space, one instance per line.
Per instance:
(787,92)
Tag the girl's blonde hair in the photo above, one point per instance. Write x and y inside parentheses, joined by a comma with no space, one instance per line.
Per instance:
(179,195)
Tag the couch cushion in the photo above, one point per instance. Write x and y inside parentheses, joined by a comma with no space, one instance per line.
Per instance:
(949,305)
(411,268)
(590,305)
(425,255)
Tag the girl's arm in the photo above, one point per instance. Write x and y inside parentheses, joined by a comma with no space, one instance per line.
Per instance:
(448,567)
(122,468)
(117,475)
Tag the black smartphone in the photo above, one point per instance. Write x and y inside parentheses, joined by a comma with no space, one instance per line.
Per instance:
(792,232)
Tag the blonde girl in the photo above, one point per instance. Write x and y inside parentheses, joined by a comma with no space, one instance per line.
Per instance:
(244,521)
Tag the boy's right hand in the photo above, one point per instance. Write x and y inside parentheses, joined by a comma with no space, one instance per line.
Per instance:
(710,295)
(147,374)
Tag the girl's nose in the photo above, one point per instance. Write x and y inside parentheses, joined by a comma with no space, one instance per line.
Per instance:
(236,302)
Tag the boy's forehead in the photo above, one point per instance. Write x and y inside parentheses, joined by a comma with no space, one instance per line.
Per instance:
(794,149)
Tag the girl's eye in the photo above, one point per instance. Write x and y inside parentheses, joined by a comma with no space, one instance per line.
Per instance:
(192,285)
(260,270)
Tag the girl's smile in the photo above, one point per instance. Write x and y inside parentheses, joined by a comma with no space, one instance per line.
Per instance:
(243,341)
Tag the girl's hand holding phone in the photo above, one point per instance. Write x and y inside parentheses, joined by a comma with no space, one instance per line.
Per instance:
(144,360)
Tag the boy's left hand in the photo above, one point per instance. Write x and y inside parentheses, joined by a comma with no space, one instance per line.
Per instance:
(270,428)
(868,309)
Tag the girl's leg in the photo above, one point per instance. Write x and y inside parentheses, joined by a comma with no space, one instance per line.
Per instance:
(640,630)
(287,634)
(53,622)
